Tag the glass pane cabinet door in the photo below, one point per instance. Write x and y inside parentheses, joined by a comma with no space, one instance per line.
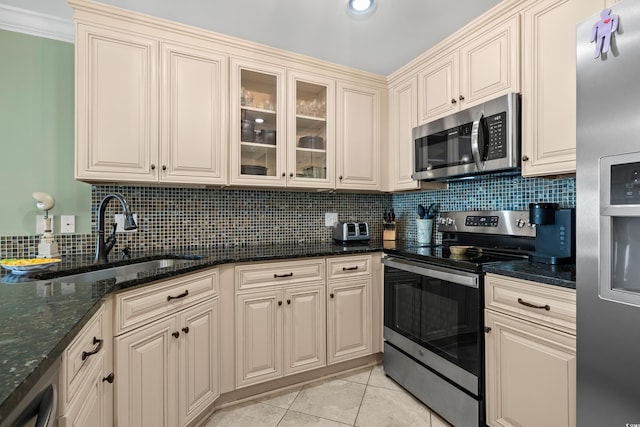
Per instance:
(259,121)
(311,161)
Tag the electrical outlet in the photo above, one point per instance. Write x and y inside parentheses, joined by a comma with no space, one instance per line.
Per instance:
(40,224)
(119,219)
(330,218)
(67,224)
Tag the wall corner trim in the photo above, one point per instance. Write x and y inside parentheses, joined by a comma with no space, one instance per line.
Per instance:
(36,24)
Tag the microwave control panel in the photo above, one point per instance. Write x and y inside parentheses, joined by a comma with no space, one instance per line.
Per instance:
(497,129)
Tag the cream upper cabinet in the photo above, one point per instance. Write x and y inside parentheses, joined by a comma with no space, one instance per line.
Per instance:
(310,131)
(193,115)
(549,84)
(483,67)
(257,123)
(439,87)
(282,127)
(116,105)
(358,136)
(403,117)
(530,347)
(148,111)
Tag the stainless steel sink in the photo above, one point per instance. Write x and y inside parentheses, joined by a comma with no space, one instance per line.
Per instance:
(123,273)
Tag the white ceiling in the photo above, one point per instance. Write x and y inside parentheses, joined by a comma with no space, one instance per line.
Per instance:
(397,31)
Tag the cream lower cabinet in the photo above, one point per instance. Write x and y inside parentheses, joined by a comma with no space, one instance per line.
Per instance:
(549,84)
(349,302)
(148,110)
(167,369)
(349,320)
(279,331)
(86,389)
(530,354)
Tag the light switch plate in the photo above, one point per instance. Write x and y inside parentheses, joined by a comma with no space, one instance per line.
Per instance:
(40,224)
(330,218)
(119,219)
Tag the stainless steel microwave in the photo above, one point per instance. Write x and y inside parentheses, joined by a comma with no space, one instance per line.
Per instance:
(481,139)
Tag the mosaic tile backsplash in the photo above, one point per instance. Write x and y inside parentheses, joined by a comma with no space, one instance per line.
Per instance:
(182,217)
(484,193)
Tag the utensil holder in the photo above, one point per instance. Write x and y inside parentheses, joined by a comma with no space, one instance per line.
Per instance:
(389,232)
(424,227)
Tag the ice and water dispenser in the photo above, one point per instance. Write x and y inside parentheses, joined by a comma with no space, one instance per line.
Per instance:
(620,228)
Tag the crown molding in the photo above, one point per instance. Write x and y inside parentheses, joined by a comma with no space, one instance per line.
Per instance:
(36,24)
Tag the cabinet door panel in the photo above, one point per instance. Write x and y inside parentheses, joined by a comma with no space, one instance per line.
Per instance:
(199,359)
(259,337)
(531,374)
(358,147)
(403,111)
(349,320)
(438,88)
(90,409)
(490,64)
(117,113)
(194,105)
(146,362)
(305,330)
(549,90)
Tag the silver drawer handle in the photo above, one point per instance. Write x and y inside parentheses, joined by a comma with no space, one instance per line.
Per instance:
(528,304)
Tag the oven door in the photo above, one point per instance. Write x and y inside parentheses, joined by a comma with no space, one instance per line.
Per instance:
(434,315)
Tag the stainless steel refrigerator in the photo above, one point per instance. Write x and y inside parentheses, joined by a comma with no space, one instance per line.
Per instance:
(608,218)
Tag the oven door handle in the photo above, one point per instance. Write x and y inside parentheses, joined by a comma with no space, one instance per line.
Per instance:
(453,276)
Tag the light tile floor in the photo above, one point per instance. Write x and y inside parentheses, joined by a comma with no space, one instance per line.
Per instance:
(364,398)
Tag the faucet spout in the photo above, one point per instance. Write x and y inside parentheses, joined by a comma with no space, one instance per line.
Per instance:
(104,247)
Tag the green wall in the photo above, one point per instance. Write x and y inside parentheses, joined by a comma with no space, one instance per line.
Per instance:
(36,134)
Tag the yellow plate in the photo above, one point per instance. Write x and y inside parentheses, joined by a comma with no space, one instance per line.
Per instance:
(26,265)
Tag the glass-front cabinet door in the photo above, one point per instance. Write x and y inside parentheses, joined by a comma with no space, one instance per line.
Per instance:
(258,106)
(311,131)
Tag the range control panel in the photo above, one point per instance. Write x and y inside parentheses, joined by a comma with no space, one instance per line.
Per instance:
(508,223)
(481,221)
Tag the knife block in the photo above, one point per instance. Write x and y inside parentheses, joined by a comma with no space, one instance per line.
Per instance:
(389,232)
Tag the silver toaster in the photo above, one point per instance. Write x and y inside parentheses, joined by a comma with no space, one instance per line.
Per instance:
(351,232)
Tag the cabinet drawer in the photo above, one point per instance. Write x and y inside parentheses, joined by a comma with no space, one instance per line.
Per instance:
(548,305)
(279,273)
(140,306)
(85,351)
(348,266)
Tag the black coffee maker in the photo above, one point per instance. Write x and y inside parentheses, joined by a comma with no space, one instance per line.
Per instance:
(555,233)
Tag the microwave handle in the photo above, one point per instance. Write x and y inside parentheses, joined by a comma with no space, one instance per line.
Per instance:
(478,140)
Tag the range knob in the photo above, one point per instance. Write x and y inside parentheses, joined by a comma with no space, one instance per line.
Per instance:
(521,223)
(449,221)
(443,221)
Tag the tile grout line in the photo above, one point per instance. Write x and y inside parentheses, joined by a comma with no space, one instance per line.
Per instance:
(366,386)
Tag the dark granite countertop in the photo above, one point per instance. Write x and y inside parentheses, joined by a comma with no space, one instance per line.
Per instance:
(558,275)
(40,315)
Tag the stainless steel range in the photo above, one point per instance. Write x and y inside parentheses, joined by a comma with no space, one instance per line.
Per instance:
(433,309)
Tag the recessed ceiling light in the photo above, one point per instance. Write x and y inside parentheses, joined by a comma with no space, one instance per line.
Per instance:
(360,7)
(259,120)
